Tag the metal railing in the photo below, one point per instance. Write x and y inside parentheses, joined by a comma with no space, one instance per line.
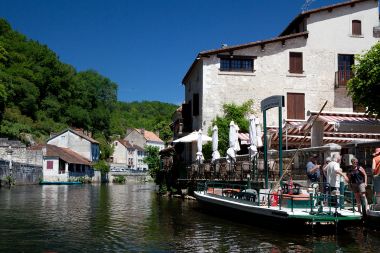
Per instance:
(342,77)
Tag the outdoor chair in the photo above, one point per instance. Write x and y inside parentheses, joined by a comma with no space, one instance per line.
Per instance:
(246,169)
(207,170)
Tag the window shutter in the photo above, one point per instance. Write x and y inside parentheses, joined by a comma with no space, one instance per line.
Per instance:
(295,106)
(49,165)
(196,104)
(356,27)
(295,63)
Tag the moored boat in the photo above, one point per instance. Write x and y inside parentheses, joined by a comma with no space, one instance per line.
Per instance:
(307,208)
(59,183)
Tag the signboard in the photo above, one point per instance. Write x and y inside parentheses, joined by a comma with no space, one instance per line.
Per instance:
(273,101)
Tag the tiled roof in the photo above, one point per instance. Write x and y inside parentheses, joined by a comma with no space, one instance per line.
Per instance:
(138,147)
(125,143)
(149,136)
(66,155)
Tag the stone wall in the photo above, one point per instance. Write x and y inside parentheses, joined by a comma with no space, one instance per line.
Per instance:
(17,152)
(23,174)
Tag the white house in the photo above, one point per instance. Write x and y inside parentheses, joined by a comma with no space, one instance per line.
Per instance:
(127,155)
(78,142)
(59,164)
(142,138)
(308,63)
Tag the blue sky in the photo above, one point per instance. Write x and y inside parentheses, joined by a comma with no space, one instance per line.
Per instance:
(147,46)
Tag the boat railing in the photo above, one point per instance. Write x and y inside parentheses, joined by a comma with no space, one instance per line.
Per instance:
(315,199)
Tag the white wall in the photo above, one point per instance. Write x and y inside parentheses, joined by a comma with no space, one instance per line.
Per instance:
(52,175)
(74,142)
(120,153)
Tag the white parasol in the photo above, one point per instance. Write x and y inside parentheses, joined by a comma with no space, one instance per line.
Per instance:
(252,137)
(193,137)
(231,152)
(258,133)
(199,146)
(215,152)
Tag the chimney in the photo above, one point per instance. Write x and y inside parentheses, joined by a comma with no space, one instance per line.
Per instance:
(142,131)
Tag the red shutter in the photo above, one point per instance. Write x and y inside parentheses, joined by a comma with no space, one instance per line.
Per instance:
(49,165)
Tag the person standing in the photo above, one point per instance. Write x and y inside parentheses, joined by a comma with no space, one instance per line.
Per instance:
(313,170)
(358,181)
(334,174)
(376,174)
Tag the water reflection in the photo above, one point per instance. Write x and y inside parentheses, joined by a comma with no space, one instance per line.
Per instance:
(132,218)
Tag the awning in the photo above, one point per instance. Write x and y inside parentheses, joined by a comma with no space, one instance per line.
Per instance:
(244,138)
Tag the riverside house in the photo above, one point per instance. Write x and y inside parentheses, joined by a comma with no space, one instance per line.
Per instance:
(69,153)
(129,152)
(308,62)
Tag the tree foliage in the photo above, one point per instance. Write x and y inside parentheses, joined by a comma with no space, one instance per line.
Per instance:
(153,161)
(364,87)
(232,112)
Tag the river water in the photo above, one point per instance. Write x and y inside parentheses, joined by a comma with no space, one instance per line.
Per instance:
(132,218)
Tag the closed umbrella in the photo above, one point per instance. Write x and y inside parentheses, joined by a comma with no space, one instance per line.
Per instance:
(252,137)
(215,152)
(258,133)
(231,152)
(199,146)
(237,145)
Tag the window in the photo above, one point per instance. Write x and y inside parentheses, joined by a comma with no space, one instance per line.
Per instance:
(295,63)
(356,27)
(49,165)
(295,105)
(195,104)
(236,63)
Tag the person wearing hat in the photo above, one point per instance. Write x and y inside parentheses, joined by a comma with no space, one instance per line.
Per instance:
(313,170)
(376,173)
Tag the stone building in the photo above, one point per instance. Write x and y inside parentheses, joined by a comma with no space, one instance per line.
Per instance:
(308,63)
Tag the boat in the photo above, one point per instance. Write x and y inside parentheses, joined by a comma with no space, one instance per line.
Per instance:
(303,207)
(372,215)
(59,183)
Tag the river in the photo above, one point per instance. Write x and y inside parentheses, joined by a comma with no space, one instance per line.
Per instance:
(132,218)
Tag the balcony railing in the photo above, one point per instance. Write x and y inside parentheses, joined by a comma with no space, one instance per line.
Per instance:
(342,77)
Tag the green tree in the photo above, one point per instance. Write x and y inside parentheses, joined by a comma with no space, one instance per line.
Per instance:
(153,161)
(232,112)
(364,87)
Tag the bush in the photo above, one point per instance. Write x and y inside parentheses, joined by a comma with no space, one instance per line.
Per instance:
(119,179)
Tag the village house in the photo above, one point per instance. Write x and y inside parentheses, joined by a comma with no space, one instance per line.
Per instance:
(62,164)
(69,154)
(129,152)
(127,156)
(78,142)
(142,138)
(308,63)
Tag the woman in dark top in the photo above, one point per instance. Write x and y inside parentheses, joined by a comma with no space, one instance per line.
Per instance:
(358,181)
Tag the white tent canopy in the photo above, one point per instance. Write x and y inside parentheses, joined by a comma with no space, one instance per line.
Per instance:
(193,137)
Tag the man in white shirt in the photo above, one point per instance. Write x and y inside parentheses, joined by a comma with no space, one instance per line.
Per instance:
(334,172)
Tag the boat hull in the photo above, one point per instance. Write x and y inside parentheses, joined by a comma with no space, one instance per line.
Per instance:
(274,216)
(59,183)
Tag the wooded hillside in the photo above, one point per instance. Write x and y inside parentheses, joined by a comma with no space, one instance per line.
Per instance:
(39,94)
